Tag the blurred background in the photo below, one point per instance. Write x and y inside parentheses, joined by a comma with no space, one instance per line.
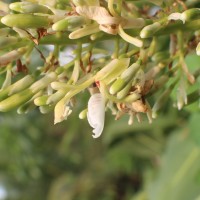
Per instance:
(159,161)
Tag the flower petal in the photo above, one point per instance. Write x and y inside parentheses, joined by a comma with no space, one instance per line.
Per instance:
(96,114)
(97,13)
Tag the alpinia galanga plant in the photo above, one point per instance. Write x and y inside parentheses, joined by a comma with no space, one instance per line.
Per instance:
(150,40)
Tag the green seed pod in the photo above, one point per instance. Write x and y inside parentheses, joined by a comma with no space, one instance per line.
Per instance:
(25,21)
(5,42)
(15,100)
(69,23)
(190,15)
(150,30)
(28,7)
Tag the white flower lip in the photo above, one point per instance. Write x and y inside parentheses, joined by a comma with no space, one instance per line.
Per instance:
(96,113)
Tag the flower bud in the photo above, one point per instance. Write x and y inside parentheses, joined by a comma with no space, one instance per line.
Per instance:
(132,97)
(86,30)
(86,2)
(7,80)
(61,110)
(191,14)
(57,96)
(15,100)
(150,30)
(43,82)
(11,56)
(125,77)
(28,7)
(40,101)
(70,22)
(20,85)
(25,108)
(1,24)
(46,109)
(123,93)
(160,56)
(25,21)
(6,42)
(83,114)
(112,70)
(16,87)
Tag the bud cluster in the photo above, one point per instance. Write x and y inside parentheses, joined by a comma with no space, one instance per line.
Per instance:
(128,55)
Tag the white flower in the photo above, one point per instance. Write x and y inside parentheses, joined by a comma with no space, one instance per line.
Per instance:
(110,24)
(96,113)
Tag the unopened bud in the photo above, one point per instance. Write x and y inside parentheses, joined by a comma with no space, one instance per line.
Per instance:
(86,2)
(40,101)
(69,23)
(5,42)
(112,70)
(11,56)
(86,30)
(46,109)
(191,14)
(28,7)
(7,80)
(83,114)
(150,30)
(160,56)
(25,21)
(125,77)
(20,85)
(15,100)
(123,93)
(43,82)
(25,108)
(132,97)
(57,96)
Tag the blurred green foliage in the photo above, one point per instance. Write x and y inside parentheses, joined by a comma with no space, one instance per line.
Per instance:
(139,162)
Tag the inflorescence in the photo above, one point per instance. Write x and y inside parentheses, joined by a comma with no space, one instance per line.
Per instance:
(125,53)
